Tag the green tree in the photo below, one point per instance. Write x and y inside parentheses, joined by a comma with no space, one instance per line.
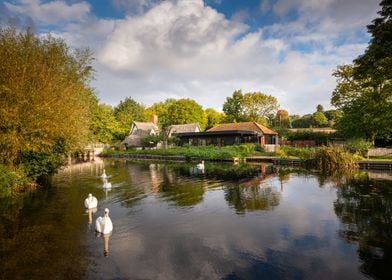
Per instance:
(183,111)
(319,108)
(104,125)
(44,96)
(126,112)
(213,117)
(364,89)
(161,110)
(233,107)
(259,107)
(333,116)
(319,119)
(302,122)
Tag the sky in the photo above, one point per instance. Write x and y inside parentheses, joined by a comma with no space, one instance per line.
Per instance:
(151,50)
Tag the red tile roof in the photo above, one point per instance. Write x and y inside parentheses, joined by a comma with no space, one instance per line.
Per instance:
(247,126)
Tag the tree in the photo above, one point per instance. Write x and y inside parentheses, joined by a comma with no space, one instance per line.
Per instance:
(302,122)
(233,107)
(161,110)
(213,117)
(183,111)
(259,107)
(319,108)
(44,96)
(252,106)
(319,119)
(282,119)
(126,112)
(104,125)
(364,89)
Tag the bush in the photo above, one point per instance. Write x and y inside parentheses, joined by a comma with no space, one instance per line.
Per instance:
(358,146)
(332,159)
(11,180)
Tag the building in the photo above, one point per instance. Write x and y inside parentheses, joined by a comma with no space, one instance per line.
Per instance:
(232,134)
(139,130)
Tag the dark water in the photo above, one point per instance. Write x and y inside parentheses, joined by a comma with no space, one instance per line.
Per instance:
(171,222)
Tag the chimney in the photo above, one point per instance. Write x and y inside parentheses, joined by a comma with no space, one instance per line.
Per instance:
(154,119)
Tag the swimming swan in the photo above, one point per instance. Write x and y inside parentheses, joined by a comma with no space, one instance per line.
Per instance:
(90,202)
(200,165)
(107,185)
(104,224)
(104,176)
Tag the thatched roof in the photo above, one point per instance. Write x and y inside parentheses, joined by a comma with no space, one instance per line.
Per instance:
(180,128)
(138,131)
(245,126)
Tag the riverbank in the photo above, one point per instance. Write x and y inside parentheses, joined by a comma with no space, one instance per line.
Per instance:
(382,165)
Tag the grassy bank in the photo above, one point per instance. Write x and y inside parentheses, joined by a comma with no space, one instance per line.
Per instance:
(202,152)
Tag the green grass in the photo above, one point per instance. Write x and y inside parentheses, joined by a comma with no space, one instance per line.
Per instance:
(203,152)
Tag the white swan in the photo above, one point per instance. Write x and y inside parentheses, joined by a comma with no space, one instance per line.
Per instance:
(90,202)
(104,176)
(200,165)
(107,185)
(104,224)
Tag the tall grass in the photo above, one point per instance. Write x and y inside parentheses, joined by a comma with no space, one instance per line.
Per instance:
(328,159)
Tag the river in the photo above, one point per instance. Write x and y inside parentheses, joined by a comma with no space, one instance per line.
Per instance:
(174,221)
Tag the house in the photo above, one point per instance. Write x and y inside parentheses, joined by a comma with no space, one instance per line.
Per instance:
(139,130)
(181,128)
(232,134)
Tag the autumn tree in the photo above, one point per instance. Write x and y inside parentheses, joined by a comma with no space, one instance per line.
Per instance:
(44,96)
(282,119)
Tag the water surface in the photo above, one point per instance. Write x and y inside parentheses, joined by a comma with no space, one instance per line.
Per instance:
(172,221)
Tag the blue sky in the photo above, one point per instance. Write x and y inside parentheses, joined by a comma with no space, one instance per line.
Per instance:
(151,50)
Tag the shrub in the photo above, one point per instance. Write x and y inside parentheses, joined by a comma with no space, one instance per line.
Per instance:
(331,159)
(358,146)
(11,180)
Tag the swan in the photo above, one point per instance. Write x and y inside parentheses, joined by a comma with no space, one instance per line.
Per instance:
(90,202)
(104,176)
(104,224)
(200,165)
(107,185)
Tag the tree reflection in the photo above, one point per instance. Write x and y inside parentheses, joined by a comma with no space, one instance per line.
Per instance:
(252,198)
(365,209)
(181,190)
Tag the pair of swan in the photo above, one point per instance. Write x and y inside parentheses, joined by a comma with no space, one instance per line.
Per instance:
(106,184)
(102,224)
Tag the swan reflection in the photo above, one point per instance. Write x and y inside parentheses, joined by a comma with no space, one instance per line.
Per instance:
(90,213)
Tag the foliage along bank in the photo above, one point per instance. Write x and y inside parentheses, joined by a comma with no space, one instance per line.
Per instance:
(46,104)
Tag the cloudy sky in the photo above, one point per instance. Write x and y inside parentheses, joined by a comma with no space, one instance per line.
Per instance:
(151,50)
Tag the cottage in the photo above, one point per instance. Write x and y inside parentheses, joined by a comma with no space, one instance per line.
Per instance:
(232,134)
(139,130)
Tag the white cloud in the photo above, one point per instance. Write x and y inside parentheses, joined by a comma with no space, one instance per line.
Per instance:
(186,49)
(51,12)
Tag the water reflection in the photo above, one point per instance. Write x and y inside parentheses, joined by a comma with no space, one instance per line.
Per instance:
(105,239)
(232,222)
(90,213)
(365,209)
